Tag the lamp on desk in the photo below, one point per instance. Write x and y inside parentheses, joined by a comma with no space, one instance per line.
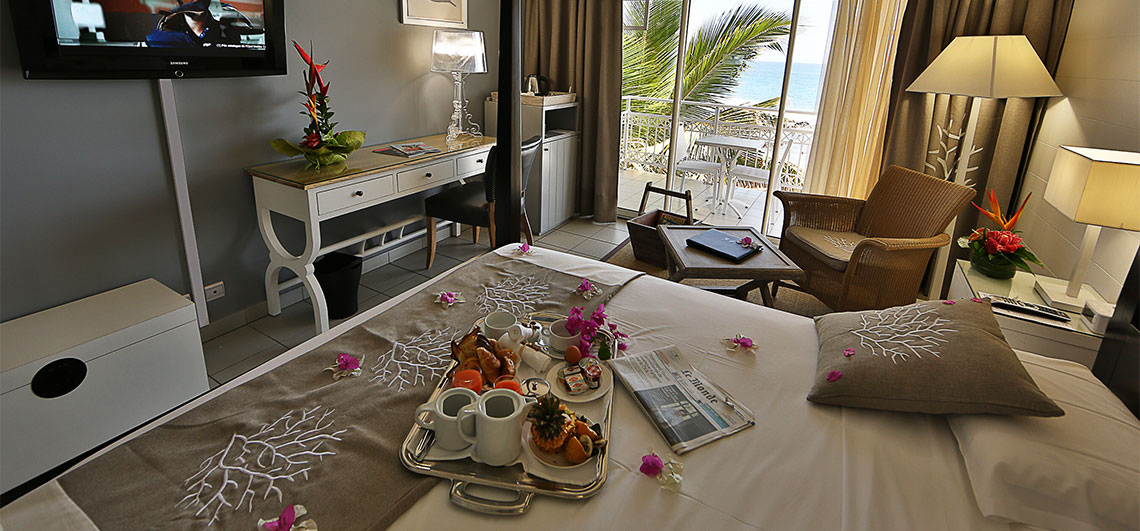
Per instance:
(994,66)
(459,52)
(1097,187)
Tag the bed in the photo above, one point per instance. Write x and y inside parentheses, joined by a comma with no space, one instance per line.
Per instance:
(803,466)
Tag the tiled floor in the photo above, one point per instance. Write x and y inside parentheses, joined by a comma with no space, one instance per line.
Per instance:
(750,201)
(232,354)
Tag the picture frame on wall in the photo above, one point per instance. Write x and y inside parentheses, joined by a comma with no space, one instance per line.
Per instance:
(435,13)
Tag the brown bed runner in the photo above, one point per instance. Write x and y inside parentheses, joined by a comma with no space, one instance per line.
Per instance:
(294,436)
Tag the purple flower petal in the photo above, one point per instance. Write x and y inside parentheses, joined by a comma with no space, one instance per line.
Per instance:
(744,342)
(345,362)
(975,299)
(834,375)
(849,352)
(948,302)
(651,465)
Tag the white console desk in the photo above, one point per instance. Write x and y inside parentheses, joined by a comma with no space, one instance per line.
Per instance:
(365,180)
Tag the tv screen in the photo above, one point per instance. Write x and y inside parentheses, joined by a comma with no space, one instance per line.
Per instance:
(149,38)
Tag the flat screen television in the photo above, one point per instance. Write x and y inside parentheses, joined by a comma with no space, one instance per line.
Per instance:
(127,39)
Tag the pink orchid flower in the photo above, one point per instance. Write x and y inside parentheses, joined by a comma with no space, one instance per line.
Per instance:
(975,299)
(651,465)
(834,375)
(345,362)
(622,345)
(947,302)
(586,285)
(743,342)
(746,241)
(524,248)
(447,297)
(284,522)
(848,352)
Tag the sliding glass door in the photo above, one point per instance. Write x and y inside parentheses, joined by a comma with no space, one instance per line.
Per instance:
(733,84)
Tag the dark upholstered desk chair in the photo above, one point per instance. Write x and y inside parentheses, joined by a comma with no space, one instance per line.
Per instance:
(474,203)
(860,255)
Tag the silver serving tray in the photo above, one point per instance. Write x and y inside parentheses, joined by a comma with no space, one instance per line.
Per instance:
(466,472)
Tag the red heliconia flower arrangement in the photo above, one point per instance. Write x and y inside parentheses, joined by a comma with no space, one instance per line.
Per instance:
(320,145)
(1000,247)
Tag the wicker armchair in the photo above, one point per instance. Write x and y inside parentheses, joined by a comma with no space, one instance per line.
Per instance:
(871,254)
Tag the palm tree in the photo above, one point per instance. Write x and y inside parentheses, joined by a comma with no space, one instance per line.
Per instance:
(714,58)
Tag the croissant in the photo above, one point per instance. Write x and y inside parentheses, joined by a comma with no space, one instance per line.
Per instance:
(489,363)
(509,367)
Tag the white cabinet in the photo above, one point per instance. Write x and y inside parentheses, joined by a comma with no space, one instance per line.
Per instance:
(78,375)
(552,192)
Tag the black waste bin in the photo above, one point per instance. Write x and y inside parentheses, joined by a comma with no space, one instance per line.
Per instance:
(339,276)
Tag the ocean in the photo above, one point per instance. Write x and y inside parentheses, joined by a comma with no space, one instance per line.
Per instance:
(762,79)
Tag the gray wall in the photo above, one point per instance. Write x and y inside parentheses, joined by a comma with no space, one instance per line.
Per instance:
(86,200)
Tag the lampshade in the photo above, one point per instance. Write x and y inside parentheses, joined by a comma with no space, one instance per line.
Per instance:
(458,51)
(1096,186)
(996,66)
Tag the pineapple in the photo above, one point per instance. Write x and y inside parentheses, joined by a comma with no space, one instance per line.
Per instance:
(550,423)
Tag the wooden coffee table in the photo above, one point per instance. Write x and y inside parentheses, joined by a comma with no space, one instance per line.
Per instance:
(758,270)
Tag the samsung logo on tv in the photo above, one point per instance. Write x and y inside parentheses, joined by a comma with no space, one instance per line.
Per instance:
(180,63)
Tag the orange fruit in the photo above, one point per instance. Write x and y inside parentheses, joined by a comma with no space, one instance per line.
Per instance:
(574,451)
(573,355)
(582,429)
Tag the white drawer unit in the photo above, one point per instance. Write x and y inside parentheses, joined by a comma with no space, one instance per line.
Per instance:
(471,164)
(78,375)
(426,176)
(355,194)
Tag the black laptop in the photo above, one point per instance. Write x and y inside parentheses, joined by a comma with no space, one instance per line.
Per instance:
(723,245)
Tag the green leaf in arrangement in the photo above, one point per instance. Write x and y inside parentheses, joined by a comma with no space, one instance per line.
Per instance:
(350,139)
(285,147)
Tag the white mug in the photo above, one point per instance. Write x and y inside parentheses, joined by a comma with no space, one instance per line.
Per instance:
(497,431)
(560,338)
(496,324)
(445,419)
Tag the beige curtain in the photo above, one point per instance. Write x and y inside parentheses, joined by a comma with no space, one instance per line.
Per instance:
(846,153)
(577,44)
(918,122)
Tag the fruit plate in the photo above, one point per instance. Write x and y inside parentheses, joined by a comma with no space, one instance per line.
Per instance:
(551,460)
(605,383)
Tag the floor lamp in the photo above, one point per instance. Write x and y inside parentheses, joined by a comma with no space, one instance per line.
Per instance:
(995,66)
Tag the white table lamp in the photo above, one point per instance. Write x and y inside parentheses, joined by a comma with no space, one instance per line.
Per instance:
(1096,187)
(459,52)
(994,66)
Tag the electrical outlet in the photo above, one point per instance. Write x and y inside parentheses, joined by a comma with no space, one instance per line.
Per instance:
(215,291)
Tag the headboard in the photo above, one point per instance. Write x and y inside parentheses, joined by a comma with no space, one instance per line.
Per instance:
(1118,361)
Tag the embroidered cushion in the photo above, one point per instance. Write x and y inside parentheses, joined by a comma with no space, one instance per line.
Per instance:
(935,357)
(828,246)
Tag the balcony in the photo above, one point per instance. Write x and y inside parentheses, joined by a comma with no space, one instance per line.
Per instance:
(645,133)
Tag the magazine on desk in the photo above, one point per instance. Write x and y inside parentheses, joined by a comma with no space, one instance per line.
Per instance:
(408,149)
(688,409)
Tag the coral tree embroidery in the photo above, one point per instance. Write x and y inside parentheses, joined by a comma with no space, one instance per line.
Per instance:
(902,332)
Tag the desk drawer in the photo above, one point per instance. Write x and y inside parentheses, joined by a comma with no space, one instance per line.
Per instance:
(472,164)
(432,174)
(354,194)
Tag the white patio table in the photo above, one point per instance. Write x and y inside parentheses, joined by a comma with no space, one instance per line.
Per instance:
(728,148)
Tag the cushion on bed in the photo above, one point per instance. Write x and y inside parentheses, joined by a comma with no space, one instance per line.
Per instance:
(930,357)
(1081,471)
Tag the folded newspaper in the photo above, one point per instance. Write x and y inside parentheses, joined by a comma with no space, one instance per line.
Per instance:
(687,408)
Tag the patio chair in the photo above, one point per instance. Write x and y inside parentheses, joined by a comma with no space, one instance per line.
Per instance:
(692,165)
(757,175)
(869,254)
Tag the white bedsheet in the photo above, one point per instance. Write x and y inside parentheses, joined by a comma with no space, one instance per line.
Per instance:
(803,466)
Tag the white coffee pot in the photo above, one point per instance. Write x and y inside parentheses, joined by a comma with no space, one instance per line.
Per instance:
(499,416)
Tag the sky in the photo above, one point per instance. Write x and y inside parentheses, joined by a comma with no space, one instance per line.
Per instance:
(814,24)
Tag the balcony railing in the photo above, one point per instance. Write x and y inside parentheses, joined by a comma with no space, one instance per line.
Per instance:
(645,132)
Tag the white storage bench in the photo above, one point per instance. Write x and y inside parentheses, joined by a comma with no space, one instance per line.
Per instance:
(77,375)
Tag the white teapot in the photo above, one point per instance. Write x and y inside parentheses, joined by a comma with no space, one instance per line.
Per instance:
(499,416)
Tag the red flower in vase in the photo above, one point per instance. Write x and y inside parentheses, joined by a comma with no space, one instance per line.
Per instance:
(311,141)
(1002,241)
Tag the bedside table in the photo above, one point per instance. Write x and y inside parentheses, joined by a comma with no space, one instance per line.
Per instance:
(1074,342)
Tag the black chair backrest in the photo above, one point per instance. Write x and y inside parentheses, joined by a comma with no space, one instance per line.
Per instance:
(529,152)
